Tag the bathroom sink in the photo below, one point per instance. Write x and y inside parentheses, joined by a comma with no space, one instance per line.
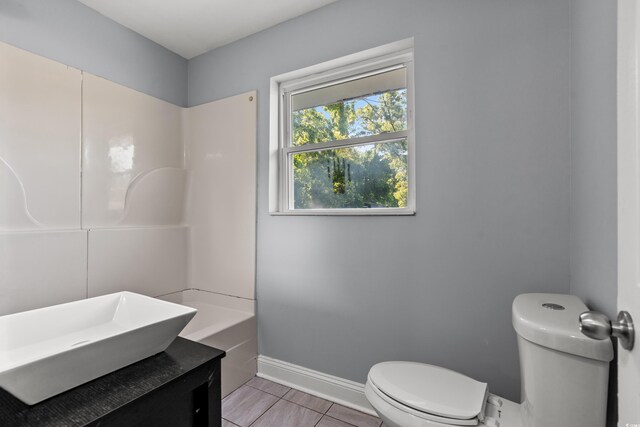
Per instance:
(47,351)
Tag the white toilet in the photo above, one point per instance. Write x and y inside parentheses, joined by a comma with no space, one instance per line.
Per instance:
(564,377)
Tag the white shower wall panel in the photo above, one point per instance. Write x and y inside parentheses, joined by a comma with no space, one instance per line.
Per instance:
(149,261)
(38,269)
(105,189)
(133,157)
(221,205)
(39,142)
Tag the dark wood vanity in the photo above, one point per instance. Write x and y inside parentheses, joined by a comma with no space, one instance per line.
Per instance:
(175,388)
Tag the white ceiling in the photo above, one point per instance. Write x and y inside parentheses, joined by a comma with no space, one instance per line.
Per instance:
(192,27)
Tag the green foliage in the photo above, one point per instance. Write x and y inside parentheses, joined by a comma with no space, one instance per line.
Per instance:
(373,175)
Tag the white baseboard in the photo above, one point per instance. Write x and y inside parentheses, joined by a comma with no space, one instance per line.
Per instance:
(335,389)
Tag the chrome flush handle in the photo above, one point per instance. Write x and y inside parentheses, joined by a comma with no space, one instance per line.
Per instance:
(598,326)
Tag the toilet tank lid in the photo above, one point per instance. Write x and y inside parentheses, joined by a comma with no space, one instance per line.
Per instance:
(551,320)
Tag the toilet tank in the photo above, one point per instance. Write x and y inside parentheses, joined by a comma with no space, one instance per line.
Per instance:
(564,374)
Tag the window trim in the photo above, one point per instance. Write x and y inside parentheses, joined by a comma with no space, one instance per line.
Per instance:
(371,62)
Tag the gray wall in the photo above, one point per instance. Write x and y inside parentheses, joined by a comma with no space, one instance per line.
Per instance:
(593,162)
(593,154)
(338,294)
(73,34)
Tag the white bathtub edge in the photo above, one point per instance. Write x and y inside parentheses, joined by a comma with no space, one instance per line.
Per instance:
(232,302)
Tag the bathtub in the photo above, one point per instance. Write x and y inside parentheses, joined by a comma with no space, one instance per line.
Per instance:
(227,323)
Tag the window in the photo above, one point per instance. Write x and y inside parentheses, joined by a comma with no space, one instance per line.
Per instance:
(346,139)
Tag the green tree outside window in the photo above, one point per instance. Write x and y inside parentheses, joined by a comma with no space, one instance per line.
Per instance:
(360,176)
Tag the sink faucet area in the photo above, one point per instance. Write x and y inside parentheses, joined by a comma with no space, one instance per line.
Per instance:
(47,351)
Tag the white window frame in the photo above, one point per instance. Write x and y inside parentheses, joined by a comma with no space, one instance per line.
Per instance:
(374,61)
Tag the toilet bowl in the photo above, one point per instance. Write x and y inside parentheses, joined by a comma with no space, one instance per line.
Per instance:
(564,378)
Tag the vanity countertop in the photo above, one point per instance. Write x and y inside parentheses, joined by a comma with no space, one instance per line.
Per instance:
(180,386)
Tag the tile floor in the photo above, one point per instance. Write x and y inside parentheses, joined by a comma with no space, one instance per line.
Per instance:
(262,403)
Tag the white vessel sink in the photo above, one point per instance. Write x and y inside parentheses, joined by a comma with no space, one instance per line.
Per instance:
(47,351)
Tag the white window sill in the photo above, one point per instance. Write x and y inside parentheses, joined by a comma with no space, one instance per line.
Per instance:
(346,212)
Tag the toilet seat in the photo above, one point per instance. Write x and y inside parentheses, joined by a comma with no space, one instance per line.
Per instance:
(429,392)
(424,416)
